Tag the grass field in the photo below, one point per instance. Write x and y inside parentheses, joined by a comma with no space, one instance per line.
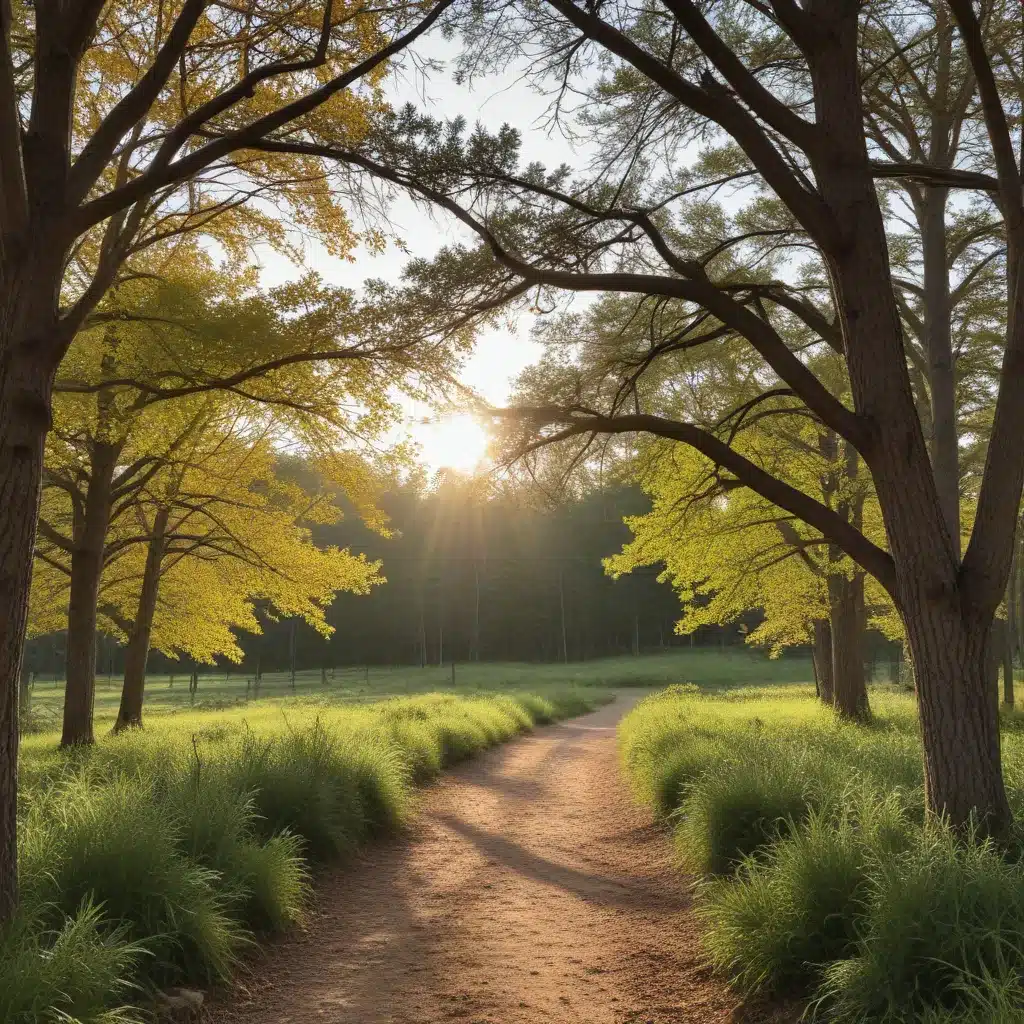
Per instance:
(819,875)
(709,667)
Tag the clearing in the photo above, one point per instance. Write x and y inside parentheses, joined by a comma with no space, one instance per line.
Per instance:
(530,888)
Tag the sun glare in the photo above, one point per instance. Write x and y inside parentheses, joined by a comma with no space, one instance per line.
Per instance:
(453,442)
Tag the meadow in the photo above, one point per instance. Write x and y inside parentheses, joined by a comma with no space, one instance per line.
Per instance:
(818,878)
(155,859)
(711,667)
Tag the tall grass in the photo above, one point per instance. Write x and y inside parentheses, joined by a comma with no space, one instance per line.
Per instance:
(158,857)
(818,874)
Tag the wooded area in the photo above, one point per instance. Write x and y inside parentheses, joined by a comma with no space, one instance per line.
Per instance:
(794,232)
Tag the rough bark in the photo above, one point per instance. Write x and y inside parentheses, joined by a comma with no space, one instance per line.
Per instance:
(21,460)
(27,323)
(846,602)
(823,660)
(137,650)
(959,716)
(86,570)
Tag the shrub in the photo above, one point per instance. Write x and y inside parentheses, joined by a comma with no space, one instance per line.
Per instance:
(116,846)
(78,971)
(795,909)
(264,882)
(305,784)
(737,810)
(936,917)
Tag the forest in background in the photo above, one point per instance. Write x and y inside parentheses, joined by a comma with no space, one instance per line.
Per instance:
(469,578)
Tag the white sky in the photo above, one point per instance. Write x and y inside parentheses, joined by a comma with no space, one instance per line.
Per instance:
(501,354)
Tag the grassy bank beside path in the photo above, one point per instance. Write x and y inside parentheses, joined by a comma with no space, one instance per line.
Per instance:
(157,858)
(818,877)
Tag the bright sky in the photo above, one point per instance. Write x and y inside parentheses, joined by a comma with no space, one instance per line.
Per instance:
(455,441)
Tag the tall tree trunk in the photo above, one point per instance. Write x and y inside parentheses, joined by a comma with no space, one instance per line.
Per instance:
(475,652)
(561,609)
(846,601)
(959,716)
(86,570)
(946,626)
(137,652)
(29,353)
(21,462)
(823,660)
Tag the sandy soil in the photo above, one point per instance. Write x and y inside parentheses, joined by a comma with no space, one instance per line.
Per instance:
(529,889)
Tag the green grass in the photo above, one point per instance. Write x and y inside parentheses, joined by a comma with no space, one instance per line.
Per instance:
(711,667)
(159,856)
(817,872)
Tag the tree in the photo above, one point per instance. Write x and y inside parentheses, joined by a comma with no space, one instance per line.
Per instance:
(223,532)
(136,401)
(727,551)
(121,125)
(798,130)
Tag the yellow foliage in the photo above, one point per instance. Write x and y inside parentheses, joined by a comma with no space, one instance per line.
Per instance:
(727,550)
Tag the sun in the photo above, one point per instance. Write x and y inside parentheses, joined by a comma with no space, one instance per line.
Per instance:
(456,442)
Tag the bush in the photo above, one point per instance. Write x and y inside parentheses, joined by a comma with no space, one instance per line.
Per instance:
(304,783)
(742,807)
(263,880)
(116,846)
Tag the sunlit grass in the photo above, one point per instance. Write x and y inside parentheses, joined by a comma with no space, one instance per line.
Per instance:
(159,856)
(819,873)
(710,667)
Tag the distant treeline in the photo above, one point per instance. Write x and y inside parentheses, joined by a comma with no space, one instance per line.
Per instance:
(470,580)
(467,580)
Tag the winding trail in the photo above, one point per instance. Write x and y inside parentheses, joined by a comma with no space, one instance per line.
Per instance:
(529,889)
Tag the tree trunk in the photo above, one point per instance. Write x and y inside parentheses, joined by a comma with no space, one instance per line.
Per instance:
(846,600)
(959,717)
(25,390)
(86,569)
(561,609)
(137,652)
(823,660)
(944,447)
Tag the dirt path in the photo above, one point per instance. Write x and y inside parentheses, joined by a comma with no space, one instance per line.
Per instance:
(531,889)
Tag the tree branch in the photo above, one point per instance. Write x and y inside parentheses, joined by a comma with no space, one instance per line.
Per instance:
(863,551)
(132,107)
(167,173)
(773,112)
